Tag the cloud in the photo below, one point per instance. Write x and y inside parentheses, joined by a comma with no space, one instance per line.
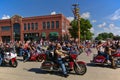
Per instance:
(85,15)
(94,21)
(115,15)
(102,25)
(92,30)
(97,33)
(108,28)
(5,17)
(112,28)
(53,13)
(70,18)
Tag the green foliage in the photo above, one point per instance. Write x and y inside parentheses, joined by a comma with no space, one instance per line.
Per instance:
(104,36)
(73,30)
(116,37)
(85,26)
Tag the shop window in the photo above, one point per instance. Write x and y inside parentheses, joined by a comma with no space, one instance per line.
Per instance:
(48,25)
(32,26)
(25,28)
(57,24)
(44,25)
(5,28)
(52,24)
(36,26)
(28,26)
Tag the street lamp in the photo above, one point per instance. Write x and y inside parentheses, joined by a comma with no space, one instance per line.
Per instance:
(77,17)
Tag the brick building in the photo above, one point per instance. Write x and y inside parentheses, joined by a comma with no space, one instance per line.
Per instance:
(34,28)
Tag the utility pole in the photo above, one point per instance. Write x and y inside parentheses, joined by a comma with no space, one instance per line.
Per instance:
(77,17)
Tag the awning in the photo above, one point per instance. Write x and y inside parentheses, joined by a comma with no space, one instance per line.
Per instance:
(54,34)
(43,34)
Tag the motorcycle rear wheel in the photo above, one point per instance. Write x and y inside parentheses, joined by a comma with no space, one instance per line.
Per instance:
(82,69)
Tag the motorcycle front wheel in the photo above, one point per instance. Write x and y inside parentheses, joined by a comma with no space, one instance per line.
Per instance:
(14,64)
(82,69)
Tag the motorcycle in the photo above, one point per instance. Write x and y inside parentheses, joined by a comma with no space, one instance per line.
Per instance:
(10,59)
(116,58)
(78,66)
(101,60)
(34,56)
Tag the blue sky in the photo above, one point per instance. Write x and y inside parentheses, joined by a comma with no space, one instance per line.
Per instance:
(104,15)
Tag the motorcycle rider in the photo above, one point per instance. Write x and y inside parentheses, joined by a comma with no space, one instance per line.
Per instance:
(50,51)
(27,50)
(118,46)
(1,54)
(106,49)
(109,50)
(61,54)
(7,47)
(101,50)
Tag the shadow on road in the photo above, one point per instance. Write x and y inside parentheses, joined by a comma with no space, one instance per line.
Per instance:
(6,66)
(39,71)
(97,65)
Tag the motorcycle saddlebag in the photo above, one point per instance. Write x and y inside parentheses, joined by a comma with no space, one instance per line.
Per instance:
(47,65)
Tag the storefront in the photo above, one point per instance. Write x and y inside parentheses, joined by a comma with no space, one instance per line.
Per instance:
(53,35)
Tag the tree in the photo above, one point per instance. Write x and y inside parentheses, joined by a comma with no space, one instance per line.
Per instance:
(74,29)
(104,36)
(116,37)
(85,26)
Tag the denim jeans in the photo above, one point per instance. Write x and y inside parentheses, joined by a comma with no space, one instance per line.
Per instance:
(62,65)
(1,59)
(104,54)
(28,54)
(20,52)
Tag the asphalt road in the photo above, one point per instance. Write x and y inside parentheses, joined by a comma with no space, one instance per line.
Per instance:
(31,71)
